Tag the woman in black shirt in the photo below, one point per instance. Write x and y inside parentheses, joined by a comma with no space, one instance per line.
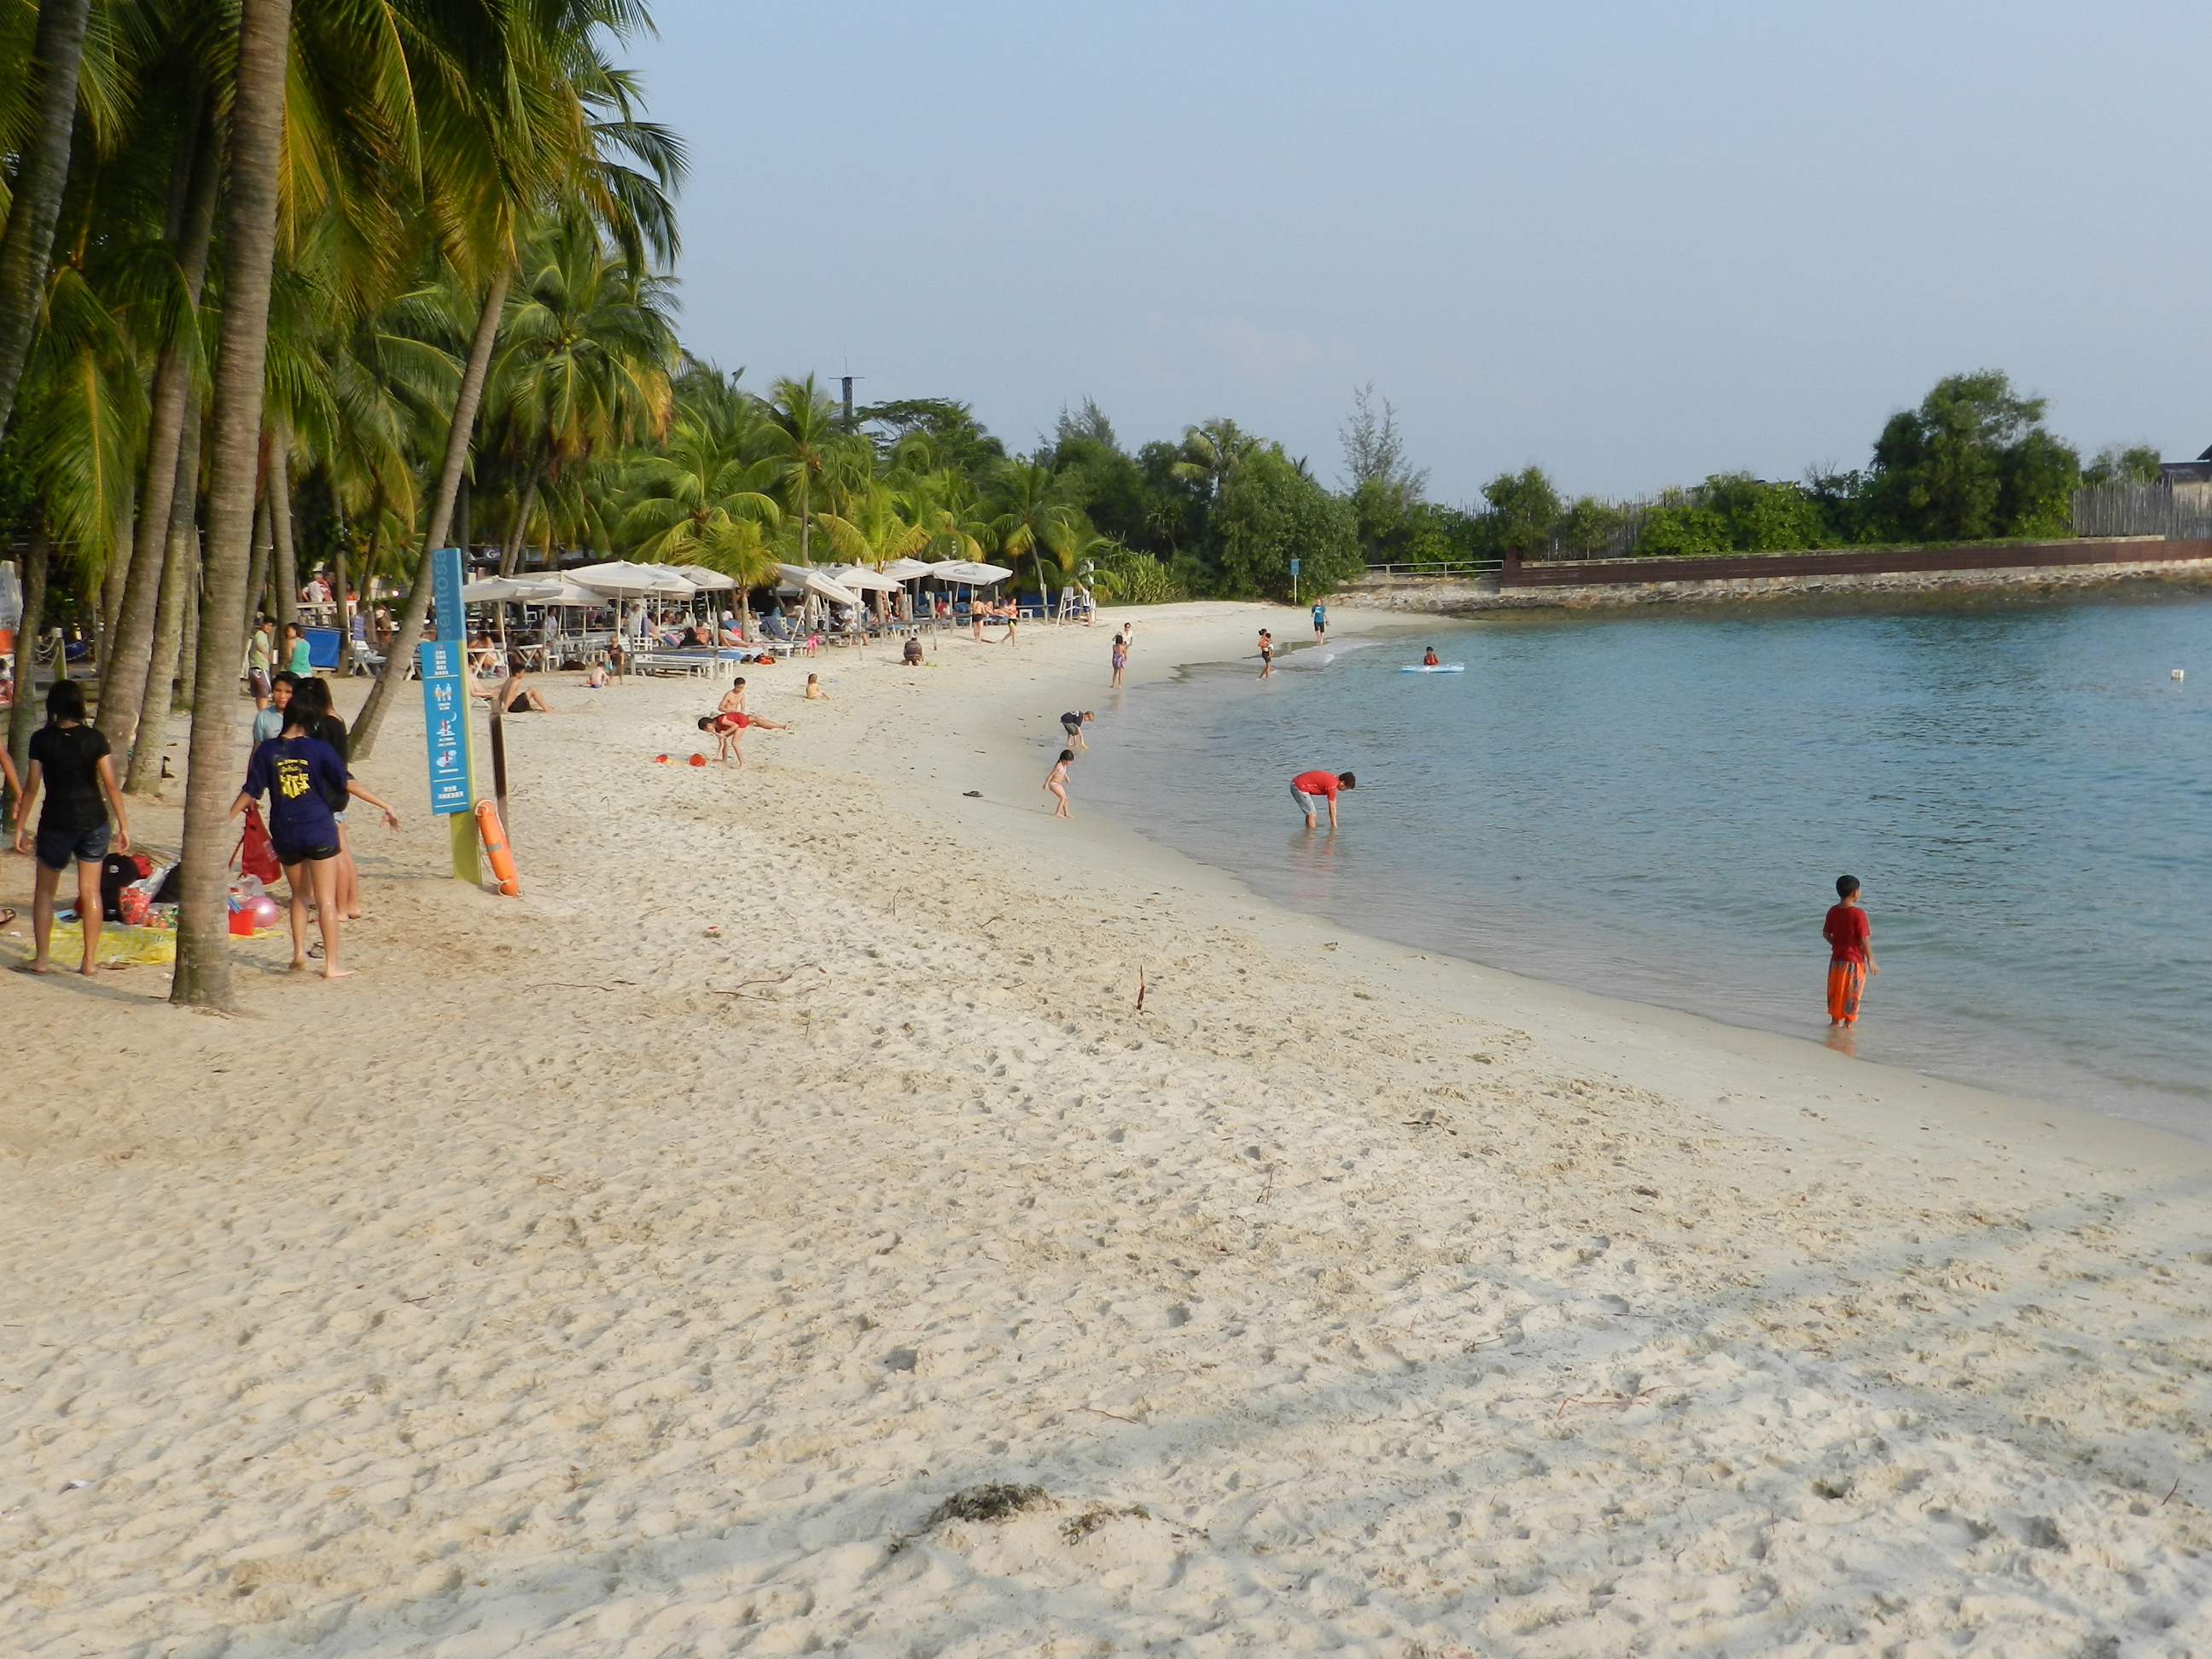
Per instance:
(69,760)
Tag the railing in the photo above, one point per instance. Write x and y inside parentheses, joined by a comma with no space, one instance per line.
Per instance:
(1440,567)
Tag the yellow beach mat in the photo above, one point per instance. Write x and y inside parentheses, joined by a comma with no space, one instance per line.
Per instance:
(119,944)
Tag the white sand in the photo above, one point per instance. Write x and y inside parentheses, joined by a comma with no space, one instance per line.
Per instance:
(527,1295)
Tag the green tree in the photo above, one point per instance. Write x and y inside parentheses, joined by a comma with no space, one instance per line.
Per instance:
(2115,464)
(1973,461)
(1267,511)
(1522,510)
(1386,490)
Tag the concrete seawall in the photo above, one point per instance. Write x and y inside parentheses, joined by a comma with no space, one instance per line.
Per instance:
(1580,584)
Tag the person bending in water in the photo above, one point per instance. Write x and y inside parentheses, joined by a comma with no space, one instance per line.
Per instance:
(1310,789)
(1073,723)
(1056,782)
(1850,952)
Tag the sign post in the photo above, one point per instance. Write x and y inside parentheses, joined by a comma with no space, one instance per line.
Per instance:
(444,663)
(1294,581)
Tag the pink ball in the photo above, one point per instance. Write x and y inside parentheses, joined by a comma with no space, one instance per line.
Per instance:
(265,911)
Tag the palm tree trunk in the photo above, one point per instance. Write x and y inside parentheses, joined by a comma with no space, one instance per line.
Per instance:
(181,553)
(804,519)
(257,574)
(28,242)
(123,694)
(249,250)
(409,630)
(285,576)
(511,555)
(23,718)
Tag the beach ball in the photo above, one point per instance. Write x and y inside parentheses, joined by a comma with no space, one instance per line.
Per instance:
(265,911)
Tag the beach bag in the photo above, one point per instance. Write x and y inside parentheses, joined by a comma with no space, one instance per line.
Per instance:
(117,871)
(256,854)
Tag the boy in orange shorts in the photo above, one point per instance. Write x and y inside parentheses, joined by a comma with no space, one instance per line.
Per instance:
(1851,953)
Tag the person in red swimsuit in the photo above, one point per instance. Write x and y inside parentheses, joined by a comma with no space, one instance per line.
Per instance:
(1851,953)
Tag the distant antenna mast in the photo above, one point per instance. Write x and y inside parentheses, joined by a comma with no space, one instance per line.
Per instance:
(848,403)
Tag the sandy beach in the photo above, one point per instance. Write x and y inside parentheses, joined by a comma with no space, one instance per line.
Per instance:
(640,1266)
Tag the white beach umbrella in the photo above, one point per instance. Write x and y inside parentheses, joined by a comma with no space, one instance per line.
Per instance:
(706,580)
(969,572)
(509,590)
(622,577)
(861,580)
(904,570)
(808,579)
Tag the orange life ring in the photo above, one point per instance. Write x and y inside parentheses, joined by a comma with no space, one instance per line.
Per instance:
(495,841)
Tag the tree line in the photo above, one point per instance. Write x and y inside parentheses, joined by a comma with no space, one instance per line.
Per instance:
(1974,461)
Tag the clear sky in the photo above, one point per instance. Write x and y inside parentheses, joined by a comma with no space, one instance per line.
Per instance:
(1635,244)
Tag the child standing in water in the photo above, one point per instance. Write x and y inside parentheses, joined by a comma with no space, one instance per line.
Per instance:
(1851,953)
(1056,781)
(1267,653)
(1121,658)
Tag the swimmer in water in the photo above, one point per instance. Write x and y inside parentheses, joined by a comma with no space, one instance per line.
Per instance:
(1429,658)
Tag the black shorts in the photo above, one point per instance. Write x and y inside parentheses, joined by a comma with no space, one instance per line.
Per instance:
(289,855)
(56,847)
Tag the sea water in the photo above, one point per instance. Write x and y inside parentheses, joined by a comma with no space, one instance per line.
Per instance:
(1655,806)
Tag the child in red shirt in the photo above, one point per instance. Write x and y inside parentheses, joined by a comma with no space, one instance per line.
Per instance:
(1850,952)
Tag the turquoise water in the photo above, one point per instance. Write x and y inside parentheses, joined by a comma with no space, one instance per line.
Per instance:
(1655,806)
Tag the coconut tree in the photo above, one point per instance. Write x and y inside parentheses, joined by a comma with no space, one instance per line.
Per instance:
(814,456)
(1033,519)
(584,363)
(27,239)
(557,125)
(256,166)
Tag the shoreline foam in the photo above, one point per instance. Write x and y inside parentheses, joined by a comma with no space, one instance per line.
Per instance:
(532,1292)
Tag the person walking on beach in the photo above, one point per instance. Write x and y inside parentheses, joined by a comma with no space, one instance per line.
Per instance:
(69,760)
(257,663)
(319,720)
(1267,653)
(1073,723)
(1310,789)
(306,783)
(296,661)
(1121,661)
(1321,622)
(1055,782)
(1851,953)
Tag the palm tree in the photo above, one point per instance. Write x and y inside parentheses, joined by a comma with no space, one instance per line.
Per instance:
(704,497)
(560,124)
(815,456)
(585,366)
(26,243)
(123,673)
(1033,520)
(257,143)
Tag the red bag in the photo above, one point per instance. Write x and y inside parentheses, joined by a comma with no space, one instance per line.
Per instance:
(256,854)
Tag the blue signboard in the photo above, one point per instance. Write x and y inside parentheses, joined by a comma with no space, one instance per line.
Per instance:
(444,664)
(1294,567)
(447,573)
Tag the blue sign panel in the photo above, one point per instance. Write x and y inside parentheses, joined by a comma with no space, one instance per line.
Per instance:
(446,723)
(447,573)
(1294,567)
